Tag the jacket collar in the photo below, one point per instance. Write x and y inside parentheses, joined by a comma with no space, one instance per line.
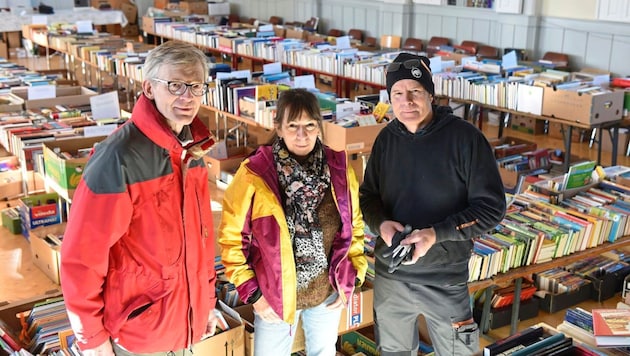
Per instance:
(149,120)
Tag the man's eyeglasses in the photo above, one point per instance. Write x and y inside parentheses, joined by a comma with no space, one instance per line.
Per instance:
(177,87)
(408,64)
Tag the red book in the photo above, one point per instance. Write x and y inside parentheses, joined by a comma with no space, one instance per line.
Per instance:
(611,327)
(8,338)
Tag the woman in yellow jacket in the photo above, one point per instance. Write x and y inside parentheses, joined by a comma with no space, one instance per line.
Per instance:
(292,232)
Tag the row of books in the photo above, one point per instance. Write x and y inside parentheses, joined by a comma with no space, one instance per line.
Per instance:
(537,231)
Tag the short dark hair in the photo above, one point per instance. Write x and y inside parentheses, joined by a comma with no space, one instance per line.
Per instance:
(293,102)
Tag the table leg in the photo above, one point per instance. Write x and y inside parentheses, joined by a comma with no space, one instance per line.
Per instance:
(516,305)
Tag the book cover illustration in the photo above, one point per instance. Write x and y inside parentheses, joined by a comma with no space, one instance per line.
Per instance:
(611,322)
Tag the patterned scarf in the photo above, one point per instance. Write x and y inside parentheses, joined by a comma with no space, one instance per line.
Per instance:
(304,185)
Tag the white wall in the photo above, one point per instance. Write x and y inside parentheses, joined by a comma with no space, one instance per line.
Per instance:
(573,9)
(567,26)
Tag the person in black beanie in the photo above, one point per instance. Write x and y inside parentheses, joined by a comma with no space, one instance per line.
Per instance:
(436,173)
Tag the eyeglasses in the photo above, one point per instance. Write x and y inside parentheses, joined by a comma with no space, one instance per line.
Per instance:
(294,128)
(177,87)
(408,64)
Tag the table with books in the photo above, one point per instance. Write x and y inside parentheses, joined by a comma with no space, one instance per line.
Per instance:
(517,275)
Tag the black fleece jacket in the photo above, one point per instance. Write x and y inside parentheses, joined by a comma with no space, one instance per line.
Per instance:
(444,176)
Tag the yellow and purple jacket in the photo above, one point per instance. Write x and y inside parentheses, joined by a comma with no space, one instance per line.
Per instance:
(256,246)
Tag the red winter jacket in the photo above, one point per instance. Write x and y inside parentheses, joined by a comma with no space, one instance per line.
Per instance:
(137,260)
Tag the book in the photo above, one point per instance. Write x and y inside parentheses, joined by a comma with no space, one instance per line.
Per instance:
(545,342)
(522,337)
(611,327)
(579,175)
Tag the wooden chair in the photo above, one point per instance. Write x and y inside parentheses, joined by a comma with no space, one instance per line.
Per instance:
(435,43)
(335,32)
(412,44)
(232,18)
(467,47)
(489,52)
(356,34)
(370,42)
(390,41)
(275,20)
(559,60)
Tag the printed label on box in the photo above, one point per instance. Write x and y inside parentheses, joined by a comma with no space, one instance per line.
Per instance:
(354,312)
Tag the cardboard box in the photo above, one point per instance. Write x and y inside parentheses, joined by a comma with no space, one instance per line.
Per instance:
(359,343)
(552,303)
(583,108)
(68,96)
(361,311)
(194,7)
(352,139)
(247,314)
(11,184)
(235,157)
(131,12)
(66,173)
(14,39)
(11,103)
(499,317)
(555,130)
(39,210)
(296,33)
(229,342)
(4,49)
(279,31)
(528,125)
(148,23)
(622,141)
(46,253)
(11,220)
(358,162)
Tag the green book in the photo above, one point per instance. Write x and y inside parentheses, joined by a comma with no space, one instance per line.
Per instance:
(579,175)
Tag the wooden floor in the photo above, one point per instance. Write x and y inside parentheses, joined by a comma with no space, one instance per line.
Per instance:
(20,279)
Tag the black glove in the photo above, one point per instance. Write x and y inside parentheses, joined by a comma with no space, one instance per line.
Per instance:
(398,252)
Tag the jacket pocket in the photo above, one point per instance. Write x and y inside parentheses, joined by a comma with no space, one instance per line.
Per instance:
(130,297)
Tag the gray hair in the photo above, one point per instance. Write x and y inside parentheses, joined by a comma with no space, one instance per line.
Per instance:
(173,53)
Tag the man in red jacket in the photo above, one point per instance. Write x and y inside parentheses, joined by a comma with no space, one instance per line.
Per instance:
(138,252)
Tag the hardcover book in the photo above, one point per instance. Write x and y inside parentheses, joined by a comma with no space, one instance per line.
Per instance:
(611,327)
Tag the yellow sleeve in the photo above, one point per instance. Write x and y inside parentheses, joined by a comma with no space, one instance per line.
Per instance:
(357,253)
(233,237)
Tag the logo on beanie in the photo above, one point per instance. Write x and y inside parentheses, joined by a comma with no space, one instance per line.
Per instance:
(416,72)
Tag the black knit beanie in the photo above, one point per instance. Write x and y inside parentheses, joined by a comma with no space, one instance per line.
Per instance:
(419,71)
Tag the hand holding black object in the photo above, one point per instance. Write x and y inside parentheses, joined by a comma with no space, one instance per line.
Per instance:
(398,252)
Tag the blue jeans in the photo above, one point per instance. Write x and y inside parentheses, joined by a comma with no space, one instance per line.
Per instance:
(320,330)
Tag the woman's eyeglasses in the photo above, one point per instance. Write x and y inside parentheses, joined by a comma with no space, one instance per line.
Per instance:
(177,87)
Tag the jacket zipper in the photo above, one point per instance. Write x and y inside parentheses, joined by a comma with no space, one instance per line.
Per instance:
(184,166)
